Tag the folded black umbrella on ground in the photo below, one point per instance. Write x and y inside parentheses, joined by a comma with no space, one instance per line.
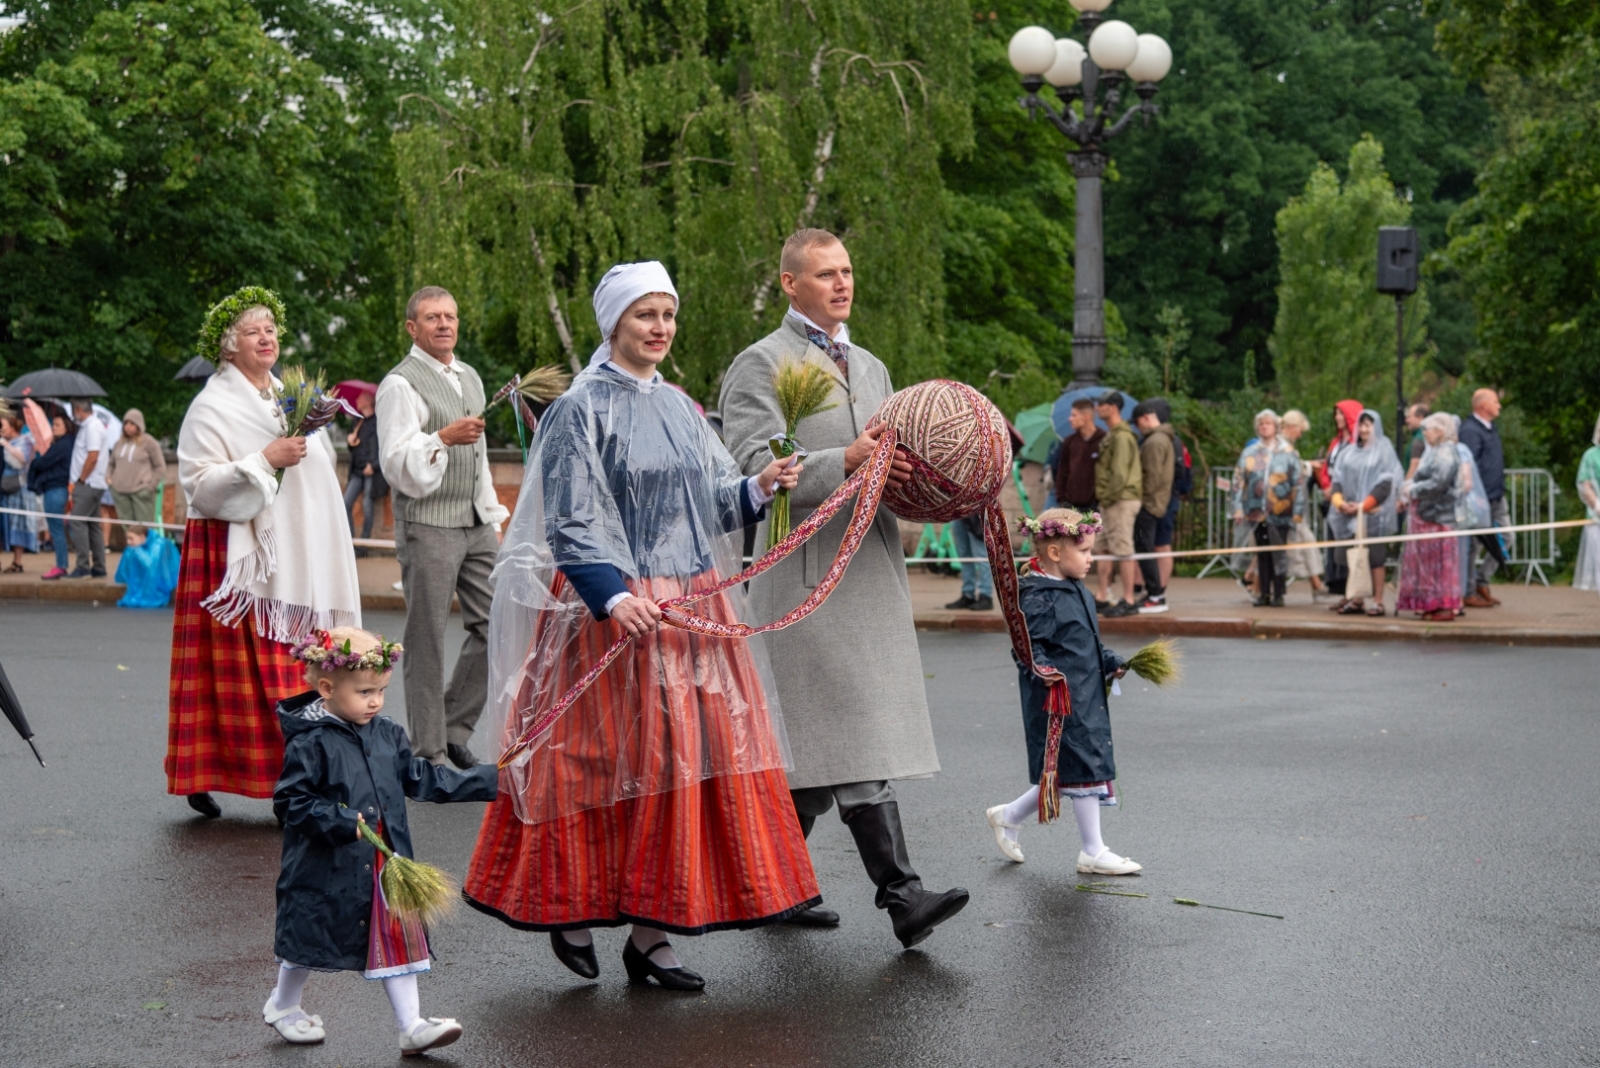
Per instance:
(54,382)
(13,710)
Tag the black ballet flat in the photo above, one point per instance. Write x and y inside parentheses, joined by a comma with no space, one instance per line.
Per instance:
(579,959)
(641,969)
(206,805)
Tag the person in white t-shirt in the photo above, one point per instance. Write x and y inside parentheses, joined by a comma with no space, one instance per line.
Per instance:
(91,458)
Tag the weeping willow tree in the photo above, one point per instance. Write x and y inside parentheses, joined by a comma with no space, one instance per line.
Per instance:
(581,133)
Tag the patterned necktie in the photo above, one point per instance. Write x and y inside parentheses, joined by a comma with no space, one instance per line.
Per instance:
(839,353)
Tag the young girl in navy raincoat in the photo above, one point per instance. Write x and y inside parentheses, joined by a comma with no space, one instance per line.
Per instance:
(1066,637)
(343,764)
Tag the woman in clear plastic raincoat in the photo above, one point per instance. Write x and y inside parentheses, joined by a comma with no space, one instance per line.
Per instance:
(1586,573)
(658,798)
(1366,481)
(1430,576)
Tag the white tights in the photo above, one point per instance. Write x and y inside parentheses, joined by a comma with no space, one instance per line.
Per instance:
(1086,810)
(642,937)
(402,991)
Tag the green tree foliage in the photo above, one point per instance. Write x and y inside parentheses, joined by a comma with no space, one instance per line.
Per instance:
(1334,336)
(1527,245)
(1258,94)
(701,135)
(157,156)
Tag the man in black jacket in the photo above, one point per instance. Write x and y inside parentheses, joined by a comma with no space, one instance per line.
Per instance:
(365,483)
(1479,435)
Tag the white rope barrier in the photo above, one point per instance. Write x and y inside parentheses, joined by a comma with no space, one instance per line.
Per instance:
(381,543)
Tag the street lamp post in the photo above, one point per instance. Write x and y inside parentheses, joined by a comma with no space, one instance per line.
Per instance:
(1092,78)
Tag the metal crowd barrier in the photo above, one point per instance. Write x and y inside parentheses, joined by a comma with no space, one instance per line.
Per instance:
(1530,499)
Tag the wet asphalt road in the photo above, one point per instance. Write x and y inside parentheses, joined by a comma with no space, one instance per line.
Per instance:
(1431,845)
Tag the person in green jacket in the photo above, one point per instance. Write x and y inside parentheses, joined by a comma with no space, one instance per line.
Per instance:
(1119,485)
(1157,462)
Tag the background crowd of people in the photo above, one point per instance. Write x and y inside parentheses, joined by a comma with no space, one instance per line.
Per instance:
(1136,474)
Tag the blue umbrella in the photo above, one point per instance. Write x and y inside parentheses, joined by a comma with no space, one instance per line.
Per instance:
(1063,407)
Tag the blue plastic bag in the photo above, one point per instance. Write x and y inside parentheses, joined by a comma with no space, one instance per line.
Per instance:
(150,572)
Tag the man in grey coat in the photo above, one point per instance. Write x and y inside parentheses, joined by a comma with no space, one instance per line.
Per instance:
(849,677)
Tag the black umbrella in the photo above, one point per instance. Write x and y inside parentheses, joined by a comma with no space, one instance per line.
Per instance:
(198,369)
(13,710)
(54,382)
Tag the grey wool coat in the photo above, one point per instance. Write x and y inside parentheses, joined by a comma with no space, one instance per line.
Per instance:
(849,676)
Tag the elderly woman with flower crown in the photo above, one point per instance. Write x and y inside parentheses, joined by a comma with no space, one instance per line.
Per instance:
(266,558)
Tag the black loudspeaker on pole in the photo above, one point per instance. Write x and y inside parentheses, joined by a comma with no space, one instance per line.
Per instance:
(1398,255)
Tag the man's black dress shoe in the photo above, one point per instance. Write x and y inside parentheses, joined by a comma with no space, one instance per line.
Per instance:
(461,756)
(964,601)
(579,959)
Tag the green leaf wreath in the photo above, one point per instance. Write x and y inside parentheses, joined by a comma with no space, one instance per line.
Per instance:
(227,311)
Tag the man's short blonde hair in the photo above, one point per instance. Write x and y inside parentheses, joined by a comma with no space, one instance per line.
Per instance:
(799,246)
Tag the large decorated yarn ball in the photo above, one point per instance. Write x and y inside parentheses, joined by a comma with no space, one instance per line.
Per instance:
(960,450)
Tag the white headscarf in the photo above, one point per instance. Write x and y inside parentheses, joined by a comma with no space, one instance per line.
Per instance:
(622,285)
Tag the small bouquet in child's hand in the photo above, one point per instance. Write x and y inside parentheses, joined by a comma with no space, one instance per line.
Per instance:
(307,405)
(803,390)
(410,887)
(1159,662)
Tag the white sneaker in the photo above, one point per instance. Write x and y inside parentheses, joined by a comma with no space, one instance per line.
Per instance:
(294,1025)
(1107,863)
(430,1034)
(399,585)
(1008,845)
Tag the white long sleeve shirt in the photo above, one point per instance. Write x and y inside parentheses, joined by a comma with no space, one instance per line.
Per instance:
(414,462)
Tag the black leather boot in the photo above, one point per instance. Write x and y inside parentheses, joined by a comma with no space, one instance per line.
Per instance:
(816,915)
(915,911)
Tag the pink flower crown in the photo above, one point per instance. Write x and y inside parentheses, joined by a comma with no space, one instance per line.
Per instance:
(319,649)
(1085,524)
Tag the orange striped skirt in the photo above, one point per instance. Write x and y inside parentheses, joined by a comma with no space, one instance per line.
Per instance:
(659,798)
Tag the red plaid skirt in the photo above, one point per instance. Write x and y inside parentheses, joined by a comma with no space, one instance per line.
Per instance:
(222,720)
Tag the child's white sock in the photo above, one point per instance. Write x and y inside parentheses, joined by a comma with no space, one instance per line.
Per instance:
(645,937)
(402,991)
(1087,812)
(291,981)
(1019,810)
(580,937)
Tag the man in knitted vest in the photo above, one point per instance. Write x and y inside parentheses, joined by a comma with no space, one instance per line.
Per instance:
(446,524)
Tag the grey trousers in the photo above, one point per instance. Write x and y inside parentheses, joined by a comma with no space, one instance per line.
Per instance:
(85,536)
(1499,516)
(436,562)
(813,801)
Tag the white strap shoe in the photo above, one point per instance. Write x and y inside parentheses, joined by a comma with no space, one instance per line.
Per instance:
(1008,845)
(1107,863)
(294,1025)
(430,1034)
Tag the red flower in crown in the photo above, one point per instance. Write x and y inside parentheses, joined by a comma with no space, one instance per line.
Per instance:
(327,639)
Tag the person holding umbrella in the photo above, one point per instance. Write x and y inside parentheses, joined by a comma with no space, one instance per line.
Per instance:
(265,559)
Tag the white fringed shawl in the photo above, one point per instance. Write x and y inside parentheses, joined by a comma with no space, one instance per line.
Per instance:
(290,560)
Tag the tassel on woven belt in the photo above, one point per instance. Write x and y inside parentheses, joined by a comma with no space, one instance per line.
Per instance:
(1059,705)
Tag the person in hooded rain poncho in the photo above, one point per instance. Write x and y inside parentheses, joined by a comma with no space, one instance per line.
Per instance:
(1586,573)
(1346,414)
(659,798)
(1366,480)
(1430,579)
(1268,498)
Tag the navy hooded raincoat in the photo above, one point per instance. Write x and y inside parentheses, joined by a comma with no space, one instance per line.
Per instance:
(332,770)
(1066,636)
